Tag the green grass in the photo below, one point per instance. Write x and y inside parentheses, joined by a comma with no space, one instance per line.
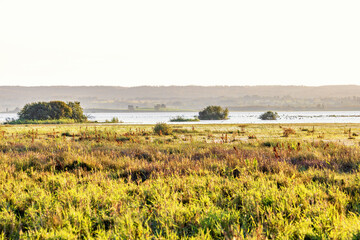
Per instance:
(88,181)
(183,119)
(58,121)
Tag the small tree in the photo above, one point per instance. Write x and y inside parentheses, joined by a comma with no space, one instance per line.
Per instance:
(35,111)
(59,110)
(288,131)
(213,113)
(269,115)
(77,112)
(162,129)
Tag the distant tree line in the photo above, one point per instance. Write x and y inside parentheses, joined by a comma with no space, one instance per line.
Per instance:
(53,110)
(159,106)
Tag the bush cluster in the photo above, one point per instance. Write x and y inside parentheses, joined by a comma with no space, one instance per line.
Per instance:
(162,129)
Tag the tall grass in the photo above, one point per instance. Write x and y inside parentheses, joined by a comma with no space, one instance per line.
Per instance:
(208,182)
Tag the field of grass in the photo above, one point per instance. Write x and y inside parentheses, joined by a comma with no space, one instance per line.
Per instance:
(87,181)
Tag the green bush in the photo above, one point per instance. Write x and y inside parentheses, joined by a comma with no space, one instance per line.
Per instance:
(162,129)
(213,113)
(269,115)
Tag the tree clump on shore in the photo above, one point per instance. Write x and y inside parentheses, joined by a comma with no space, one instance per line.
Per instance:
(53,110)
(213,113)
(269,115)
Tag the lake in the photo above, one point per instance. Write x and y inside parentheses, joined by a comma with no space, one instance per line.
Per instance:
(234,117)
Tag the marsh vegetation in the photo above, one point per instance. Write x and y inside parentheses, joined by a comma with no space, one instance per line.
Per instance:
(198,182)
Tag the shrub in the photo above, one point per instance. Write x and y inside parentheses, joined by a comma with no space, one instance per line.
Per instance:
(162,129)
(213,113)
(252,137)
(288,131)
(77,112)
(269,115)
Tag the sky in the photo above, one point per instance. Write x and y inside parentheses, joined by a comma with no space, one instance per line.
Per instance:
(187,42)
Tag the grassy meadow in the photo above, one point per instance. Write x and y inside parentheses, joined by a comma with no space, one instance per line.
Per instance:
(106,181)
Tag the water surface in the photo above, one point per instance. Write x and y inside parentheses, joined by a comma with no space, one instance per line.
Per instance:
(234,117)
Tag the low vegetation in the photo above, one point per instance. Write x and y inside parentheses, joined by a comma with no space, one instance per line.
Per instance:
(213,113)
(288,131)
(85,181)
(162,129)
(114,120)
(22,121)
(183,119)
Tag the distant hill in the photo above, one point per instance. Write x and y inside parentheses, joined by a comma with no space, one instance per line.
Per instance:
(189,97)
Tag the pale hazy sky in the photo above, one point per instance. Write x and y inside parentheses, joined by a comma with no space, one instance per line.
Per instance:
(184,42)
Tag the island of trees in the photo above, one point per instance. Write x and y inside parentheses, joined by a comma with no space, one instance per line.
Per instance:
(213,113)
(50,111)
(269,115)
